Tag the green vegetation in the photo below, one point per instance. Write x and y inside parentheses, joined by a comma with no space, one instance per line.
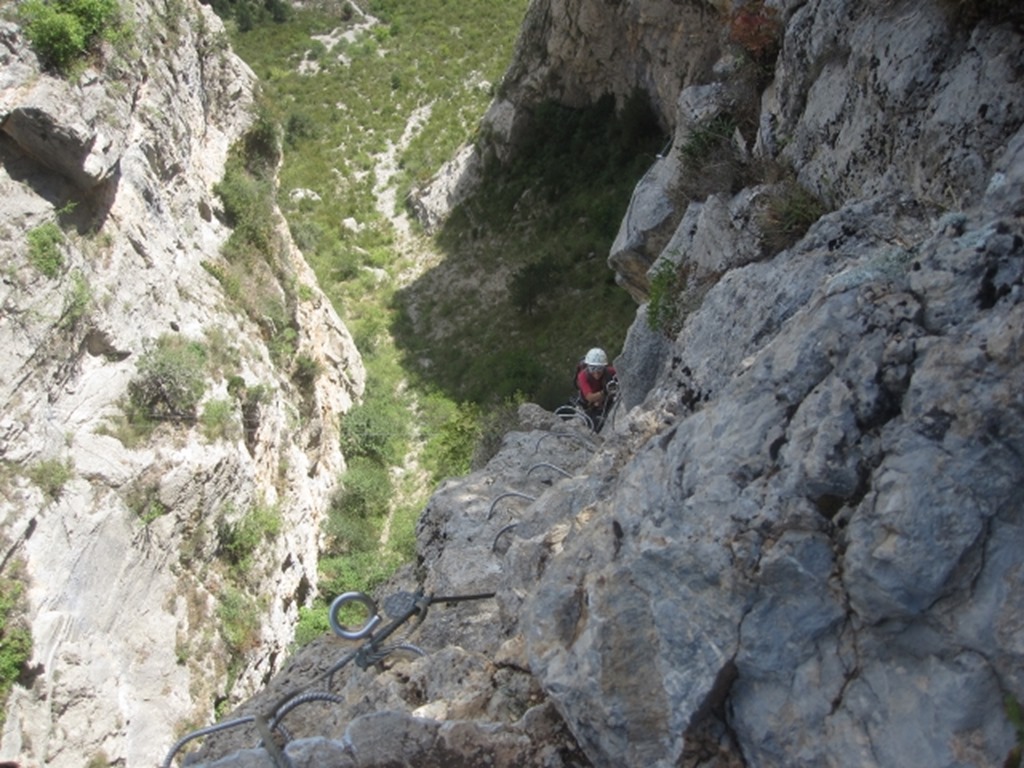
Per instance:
(77,300)
(239,539)
(239,617)
(377,429)
(246,14)
(306,371)
(667,284)
(713,160)
(256,274)
(15,634)
(674,296)
(169,383)
(51,475)
(144,501)
(218,420)
(454,432)
(63,31)
(44,252)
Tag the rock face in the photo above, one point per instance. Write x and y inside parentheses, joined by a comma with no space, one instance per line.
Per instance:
(128,586)
(798,543)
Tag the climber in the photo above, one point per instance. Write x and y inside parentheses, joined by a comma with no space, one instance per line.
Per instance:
(597,385)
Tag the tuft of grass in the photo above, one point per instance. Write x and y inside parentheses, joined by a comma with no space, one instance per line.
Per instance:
(789,212)
(77,301)
(51,475)
(713,160)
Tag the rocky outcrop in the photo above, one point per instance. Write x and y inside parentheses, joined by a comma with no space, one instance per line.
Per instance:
(118,533)
(798,542)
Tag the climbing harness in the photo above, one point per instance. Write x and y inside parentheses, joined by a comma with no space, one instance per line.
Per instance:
(400,608)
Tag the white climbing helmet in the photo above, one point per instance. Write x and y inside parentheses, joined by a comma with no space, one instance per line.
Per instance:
(596,356)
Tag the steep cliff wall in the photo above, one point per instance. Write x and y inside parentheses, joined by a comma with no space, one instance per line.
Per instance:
(798,541)
(122,535)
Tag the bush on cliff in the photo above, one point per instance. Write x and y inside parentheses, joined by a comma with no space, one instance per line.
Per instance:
(170,382)
(63,31)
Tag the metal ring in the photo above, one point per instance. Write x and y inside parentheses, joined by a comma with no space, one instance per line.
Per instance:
(353,634)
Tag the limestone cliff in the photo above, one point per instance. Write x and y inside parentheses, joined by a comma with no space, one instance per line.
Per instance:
(798,543)
(121,534)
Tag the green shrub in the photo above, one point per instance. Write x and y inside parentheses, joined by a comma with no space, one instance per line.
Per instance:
(238,541)
(239,620)
(78,298)
(306,372)
(230,281)
(506,374)
(313,623)
(667,283)
(299,126)
(708,138)
(63,30)
(51,475)
(248,208)
(169,382)
(375,429)
(57,36)
(44,248)
(218,420)
(358,508)
(362,572)
(451,438)
(402,541)
(262,145)
(15,633)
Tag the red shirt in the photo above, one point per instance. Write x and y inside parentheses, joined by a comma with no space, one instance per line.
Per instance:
(588,384)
